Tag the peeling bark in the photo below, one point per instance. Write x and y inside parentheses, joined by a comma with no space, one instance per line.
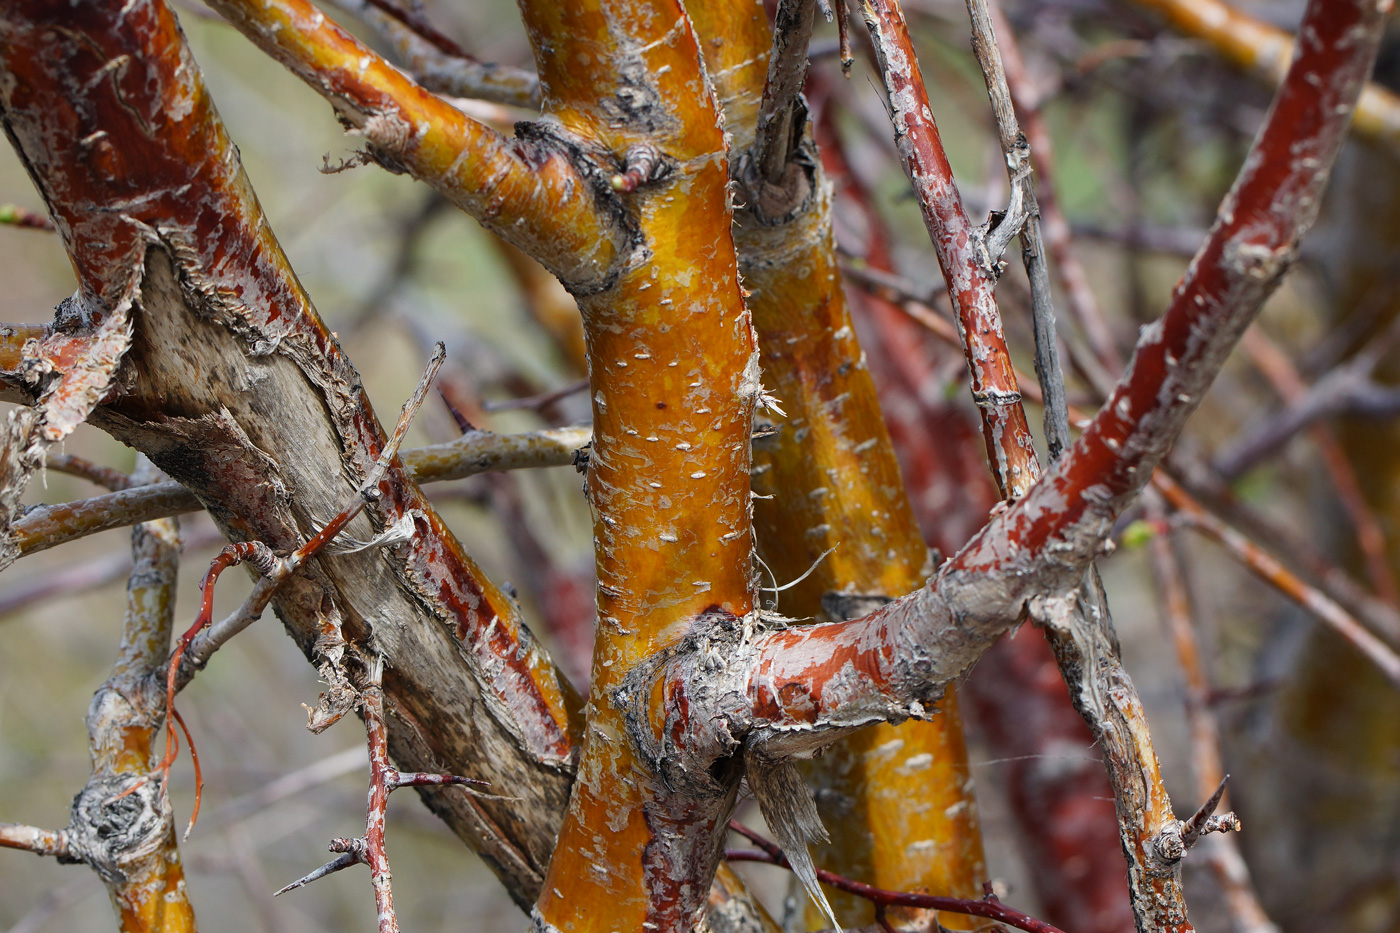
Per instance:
(235,388)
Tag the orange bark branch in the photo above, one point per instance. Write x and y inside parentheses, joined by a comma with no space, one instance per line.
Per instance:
(530,192)
(790,689)
(674,378)
(904,815)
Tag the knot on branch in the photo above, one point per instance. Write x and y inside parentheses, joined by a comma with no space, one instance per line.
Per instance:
(778,197)
(112,825)
(702,681)
(597,167)
(1177,836)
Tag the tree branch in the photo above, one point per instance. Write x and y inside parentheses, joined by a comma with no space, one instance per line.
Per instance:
(473,453)
(438,63)
(790,691)
(1265,52)
(223,336)
(527,191)
(969,267)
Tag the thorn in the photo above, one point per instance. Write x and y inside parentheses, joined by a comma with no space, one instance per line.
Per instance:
(1199,823)
(343,861)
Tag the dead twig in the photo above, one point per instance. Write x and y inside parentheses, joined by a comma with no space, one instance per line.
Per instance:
(1017,153)
(476,452)
(989,907)
(370,849)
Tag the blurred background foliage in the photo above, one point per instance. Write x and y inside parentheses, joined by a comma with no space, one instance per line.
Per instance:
(1149,128)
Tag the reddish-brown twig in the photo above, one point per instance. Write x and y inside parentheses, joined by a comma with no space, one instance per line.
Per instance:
(989,907)
(369,849)
(1231,872)
(106,477)
(1321,606)
(965,252)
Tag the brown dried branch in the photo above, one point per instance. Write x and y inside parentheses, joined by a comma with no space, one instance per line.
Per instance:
(1083,306)
(474,453)
(1349,389)
(1017,154)
(1267,567)
(536,402)
(782,116)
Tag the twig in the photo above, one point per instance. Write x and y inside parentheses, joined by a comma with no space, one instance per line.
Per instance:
(1284,376)
(369,849)
(1017,154)
(1083,306)
(475,452)
(106,477)
(536,402)
(1231,872)
(891,286)
(51,903)
(781,115)
(989,907)
(440,64)
(1348,389)
(1209,493)
(1265,51)
(33,839)
(420,26)
(1322,607)
(969,267)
